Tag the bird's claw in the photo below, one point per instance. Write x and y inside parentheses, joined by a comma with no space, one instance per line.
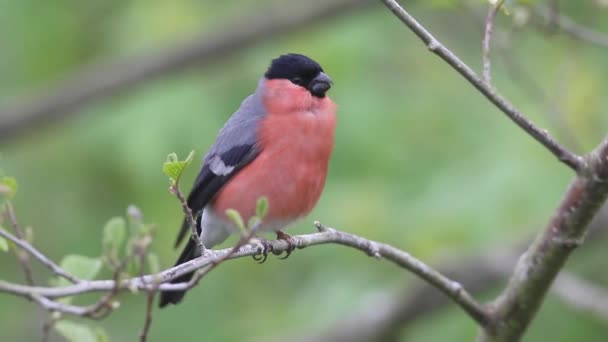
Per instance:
(291,243)
(263,254)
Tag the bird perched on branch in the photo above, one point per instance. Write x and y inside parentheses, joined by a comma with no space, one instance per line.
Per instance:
(276,145)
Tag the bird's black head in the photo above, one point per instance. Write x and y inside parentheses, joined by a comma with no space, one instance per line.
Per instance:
(302,71)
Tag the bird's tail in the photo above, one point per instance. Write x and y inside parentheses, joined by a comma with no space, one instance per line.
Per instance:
(174,297)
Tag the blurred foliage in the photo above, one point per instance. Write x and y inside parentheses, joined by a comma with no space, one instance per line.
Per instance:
(422,161)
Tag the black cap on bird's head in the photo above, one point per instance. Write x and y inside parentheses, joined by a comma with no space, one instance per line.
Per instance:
(302,71)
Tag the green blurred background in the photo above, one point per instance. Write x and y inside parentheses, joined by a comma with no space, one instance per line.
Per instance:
(422,161)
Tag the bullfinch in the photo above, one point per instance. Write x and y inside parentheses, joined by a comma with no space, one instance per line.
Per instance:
(277,145)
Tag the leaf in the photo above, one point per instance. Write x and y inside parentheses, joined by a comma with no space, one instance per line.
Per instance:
(261,208)
(8,187)
(75,332)
(235,217)
(114,233)
(174,168)
(80,266)
(3,244)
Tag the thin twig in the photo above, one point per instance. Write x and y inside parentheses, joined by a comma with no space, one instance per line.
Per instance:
(569,158)
(141,252)
(174,189)
(143,335)
(552,110)
(21,255)
(383,316)
(105,304)
(327,236)
(39,256)
(47,326)
(487,37)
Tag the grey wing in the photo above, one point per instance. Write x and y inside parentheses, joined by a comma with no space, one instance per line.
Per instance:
(235,146)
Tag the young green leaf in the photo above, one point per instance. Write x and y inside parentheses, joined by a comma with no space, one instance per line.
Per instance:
(114,233)
(8,187)
(261,208)
(3,244)
(80,266)
(236,218)
(75,332)
(174,168)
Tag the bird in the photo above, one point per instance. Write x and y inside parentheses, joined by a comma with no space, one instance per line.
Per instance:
(277,145)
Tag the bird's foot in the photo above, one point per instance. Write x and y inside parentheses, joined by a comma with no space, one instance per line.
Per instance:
(291,243)
(263,253)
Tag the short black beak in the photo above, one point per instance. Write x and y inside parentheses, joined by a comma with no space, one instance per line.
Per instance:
(320,85)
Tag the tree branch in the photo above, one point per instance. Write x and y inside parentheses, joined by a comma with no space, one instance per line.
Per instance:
(569,158)
(44,295)
(487,38)
(100,81)
(383,316)
(21,255)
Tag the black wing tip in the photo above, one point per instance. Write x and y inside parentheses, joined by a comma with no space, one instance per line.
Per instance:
(182,233)
(173,297)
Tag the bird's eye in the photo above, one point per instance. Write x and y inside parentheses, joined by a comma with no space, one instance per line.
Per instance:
(298,81)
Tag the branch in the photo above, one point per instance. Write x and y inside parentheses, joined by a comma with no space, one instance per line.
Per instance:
(174,189)
(383,316)
(569,158)
(518,303)
(21,255)
(39,256)
(44,295)
(487,37)
(101,81)
(143,335)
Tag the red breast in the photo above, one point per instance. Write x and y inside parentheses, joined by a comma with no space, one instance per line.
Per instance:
(296,138)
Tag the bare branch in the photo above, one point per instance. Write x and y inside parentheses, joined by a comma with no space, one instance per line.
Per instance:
(455,291)
(487,37)
(21,255)
(174,189)
(39,256)
(106,304)
(383,316)
(569,158)
(143,335)
(101,81)
(47,326)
